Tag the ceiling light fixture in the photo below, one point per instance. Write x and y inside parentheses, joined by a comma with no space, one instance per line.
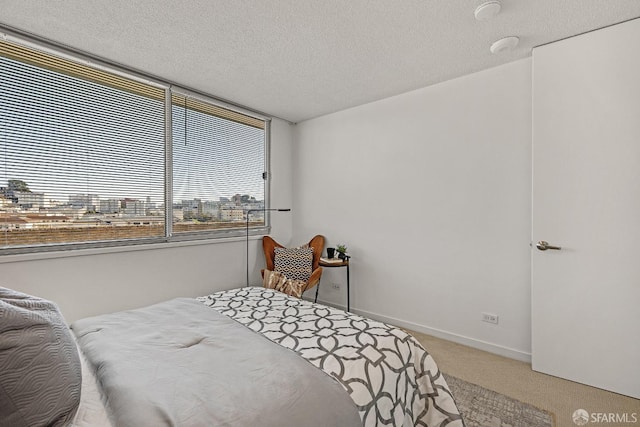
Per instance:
(505,44)
(487,10)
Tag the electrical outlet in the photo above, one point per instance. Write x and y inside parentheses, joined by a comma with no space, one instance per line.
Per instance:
(335,285)
(491,318)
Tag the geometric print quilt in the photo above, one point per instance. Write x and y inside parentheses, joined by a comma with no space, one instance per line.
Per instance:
(389,375)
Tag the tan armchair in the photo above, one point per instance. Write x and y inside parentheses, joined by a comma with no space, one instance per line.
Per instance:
(317,244)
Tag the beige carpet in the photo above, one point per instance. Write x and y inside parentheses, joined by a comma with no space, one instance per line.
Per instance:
(516,380)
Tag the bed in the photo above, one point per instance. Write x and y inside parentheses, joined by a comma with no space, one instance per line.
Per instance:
(253,356)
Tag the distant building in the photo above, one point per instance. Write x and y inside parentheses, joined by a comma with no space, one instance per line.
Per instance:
(240,199)
(231,215)
(11,222)
(109,206)
(6,203)
(192,208)
(149,205)
(210,208)
(67,210)
(31,221)
(133,207)
(47,221)
(91,202)
(29,199)
(157,211)
(139,220)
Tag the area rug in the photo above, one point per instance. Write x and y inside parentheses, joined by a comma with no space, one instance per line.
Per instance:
(485,408)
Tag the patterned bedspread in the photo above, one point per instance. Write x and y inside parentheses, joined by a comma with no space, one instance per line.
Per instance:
(392,379)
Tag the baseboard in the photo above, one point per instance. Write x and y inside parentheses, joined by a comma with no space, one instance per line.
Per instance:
(449,336)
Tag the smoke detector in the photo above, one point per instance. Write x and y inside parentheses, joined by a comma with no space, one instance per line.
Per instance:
(505,44)
(487,10)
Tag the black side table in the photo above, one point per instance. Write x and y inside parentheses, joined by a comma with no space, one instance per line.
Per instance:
(335,262)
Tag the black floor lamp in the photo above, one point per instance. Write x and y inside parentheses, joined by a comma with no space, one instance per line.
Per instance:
(249,212)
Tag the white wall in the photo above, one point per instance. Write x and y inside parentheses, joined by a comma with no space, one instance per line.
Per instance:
(100,283)
(431,192)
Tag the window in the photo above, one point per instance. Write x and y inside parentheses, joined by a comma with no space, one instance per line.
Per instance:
(218,167)
(87,158)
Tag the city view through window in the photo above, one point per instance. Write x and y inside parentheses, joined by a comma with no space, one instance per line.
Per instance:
(84,161)
(31,218)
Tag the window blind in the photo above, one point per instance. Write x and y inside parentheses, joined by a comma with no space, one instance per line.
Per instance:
(218,166)
(86,159)
(81,153)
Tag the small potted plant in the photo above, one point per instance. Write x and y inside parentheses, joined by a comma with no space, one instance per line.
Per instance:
(342,251)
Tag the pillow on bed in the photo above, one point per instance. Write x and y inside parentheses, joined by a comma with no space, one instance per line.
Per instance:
(279,282)
(295,263)
(40,371)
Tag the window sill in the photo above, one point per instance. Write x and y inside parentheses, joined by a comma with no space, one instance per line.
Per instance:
(35,256)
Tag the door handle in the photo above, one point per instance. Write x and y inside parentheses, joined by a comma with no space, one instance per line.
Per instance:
(543,246)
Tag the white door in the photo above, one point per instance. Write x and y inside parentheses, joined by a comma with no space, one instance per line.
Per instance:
(586,200)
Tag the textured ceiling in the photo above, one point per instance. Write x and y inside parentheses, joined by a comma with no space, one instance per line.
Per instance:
(298,59)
